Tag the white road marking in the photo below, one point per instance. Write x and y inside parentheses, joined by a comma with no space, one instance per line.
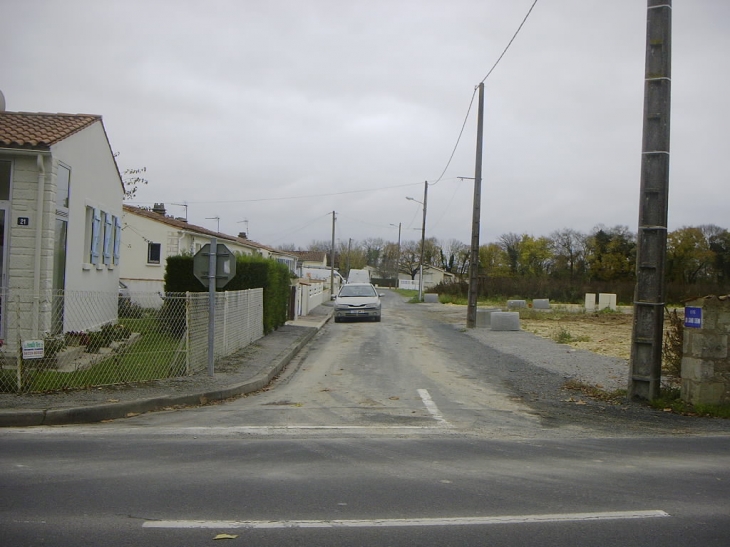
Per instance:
(431,406)
(104,429)
(390,523)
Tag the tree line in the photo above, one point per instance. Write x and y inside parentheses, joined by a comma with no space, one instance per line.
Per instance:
(606,256)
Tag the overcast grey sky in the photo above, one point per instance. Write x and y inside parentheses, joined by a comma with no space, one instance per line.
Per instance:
(278,112)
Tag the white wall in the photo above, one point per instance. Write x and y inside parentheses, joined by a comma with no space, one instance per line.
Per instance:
(94,183)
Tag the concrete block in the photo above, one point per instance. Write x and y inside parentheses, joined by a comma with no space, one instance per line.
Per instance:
(697,369)
(516,304)
(606,300)
(431,298)
(505,320)
(541,304)
(590,304)
(484,317)
(709,346)
(706,393)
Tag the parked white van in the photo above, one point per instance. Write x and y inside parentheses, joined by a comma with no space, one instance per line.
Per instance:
(358,276)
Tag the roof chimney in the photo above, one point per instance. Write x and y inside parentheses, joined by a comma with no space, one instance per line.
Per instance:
(2,101)
(243,235)
(159,208)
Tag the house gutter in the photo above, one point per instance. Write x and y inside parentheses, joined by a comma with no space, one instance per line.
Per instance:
(38,243)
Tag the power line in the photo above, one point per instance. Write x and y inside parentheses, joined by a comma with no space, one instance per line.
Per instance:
(458,140)
(471,102)
(300,197)
(510,43)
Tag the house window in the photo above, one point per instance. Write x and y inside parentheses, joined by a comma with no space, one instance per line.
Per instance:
(94,223)
(154,251)
(63,178)
(117,239)
(107,239)
(4,180)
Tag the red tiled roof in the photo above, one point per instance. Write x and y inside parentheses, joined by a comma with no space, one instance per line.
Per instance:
(184,225)
(310,256)
(38,131)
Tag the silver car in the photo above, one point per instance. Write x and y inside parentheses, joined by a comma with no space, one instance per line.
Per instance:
(357,301)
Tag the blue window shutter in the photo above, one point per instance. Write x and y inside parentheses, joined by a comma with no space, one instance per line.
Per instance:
(95,229)
(117,239)
(107,238)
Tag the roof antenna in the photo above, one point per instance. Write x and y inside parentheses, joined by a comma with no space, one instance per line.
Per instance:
(186,208)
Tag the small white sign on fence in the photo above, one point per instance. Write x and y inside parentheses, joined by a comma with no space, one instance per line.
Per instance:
(33,349)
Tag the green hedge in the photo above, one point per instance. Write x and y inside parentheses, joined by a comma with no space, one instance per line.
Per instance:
(252,272)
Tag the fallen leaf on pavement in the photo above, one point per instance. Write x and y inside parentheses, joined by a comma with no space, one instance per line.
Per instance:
(225,536)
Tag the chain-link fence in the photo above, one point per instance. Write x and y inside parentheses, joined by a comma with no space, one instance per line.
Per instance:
(67,340)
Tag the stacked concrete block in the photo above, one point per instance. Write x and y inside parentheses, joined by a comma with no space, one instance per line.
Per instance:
(541,304)
(590,304)
(606,300)
(484,317)
(505,320)
(705,359)
(431,298)
(516,304)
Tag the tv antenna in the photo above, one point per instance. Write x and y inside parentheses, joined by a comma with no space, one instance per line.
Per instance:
(186,208)
(218,219)
(245,223)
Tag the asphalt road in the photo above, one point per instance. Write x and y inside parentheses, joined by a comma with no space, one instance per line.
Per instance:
(404,432)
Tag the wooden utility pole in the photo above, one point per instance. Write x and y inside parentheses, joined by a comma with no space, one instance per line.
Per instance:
(471,311)
(646,339)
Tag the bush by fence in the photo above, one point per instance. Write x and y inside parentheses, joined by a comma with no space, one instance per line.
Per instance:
(252,272)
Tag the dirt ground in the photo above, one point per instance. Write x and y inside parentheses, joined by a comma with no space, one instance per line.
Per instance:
(602,333)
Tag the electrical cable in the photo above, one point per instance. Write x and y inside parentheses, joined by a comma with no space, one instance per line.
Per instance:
(510,42)
(299,197)
(468,111)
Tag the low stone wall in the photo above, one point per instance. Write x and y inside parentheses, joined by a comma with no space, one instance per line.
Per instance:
(705,359)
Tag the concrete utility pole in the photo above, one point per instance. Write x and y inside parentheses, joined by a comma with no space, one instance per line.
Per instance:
(423,241)
(332,258)
(349,247)
(397,260)
(471,310)
(646,339)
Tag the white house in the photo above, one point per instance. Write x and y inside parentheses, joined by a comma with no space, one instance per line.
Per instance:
(60,210)
(432,276)
(150,236)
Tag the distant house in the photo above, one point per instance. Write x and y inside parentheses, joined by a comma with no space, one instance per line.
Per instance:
(311,259)
(60,224)
(432,276)
(150,236)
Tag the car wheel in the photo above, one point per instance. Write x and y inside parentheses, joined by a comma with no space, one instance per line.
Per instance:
(337,319)
(377,319)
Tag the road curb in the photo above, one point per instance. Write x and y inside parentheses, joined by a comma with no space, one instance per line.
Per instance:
(113,411)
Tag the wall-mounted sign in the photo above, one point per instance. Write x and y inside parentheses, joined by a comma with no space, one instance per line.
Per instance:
(692,317)
(23,221)
(33,349)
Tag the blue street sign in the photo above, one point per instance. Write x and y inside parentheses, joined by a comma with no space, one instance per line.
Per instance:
(692,317)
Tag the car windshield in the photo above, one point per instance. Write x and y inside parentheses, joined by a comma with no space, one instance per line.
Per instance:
(357,290)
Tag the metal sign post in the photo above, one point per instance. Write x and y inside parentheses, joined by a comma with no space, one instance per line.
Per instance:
(207,262)
(212,259)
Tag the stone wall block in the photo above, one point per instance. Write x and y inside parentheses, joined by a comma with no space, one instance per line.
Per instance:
(705,359)
(723,321)
(697,369)
(710,346)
